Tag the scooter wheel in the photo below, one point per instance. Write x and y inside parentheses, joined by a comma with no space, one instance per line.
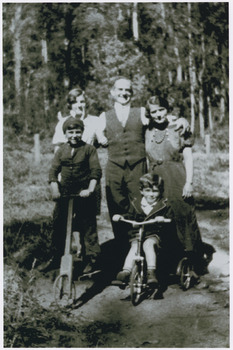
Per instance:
(64,290)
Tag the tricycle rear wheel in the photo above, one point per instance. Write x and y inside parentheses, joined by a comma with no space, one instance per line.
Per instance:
(185,274)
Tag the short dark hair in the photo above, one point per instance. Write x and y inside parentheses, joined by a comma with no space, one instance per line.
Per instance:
(72,123)
(157,100)
(151,179)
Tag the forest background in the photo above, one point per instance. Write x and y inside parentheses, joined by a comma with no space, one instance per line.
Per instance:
(179,50)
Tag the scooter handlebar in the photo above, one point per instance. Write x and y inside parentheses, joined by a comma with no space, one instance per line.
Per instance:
(70,195)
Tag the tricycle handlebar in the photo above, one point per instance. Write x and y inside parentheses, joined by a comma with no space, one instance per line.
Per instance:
(158,219)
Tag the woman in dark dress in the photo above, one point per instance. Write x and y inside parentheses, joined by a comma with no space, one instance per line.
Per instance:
(170,156)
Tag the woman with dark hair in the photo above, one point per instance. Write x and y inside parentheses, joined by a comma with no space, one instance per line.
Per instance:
(170,156)
(168,152)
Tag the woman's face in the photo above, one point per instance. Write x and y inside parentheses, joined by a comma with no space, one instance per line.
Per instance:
(158,113)
(79,106)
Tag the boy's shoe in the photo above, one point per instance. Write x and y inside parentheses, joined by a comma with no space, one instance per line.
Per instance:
(91,269)
(123,276)
(88,269)
(49,265)
(151,278)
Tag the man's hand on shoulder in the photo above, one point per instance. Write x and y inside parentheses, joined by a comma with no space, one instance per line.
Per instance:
(182,124)
(104,142)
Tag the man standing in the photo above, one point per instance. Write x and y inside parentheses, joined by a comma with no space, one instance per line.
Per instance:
(124,128)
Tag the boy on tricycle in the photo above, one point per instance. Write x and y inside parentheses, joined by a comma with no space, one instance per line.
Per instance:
(150,206)
(158,238)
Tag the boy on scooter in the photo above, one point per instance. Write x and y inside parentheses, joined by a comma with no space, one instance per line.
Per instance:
(80,171)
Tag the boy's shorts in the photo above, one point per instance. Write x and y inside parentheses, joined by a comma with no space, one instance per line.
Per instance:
(153,237)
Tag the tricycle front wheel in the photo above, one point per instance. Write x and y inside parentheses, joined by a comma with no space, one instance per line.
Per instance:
(136,284)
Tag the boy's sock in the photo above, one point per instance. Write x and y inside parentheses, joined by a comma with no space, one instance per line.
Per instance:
(151,277)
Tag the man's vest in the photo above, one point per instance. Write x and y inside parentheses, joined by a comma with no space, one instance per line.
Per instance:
(125,143)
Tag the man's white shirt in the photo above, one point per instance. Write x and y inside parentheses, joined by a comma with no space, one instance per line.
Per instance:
(122,113)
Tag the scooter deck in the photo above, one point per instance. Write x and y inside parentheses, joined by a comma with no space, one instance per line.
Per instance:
(89,275)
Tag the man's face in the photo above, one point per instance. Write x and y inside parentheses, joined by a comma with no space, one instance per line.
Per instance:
(122,91)
(79,106)
(151,194)
(74,136)
(158,113)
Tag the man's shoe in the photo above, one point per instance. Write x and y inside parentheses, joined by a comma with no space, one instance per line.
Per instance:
(123,276)
(151,278)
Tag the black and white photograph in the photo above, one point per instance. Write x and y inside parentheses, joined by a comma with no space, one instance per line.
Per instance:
(115,164)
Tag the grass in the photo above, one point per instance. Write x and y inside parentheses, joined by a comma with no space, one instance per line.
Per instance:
(29,325)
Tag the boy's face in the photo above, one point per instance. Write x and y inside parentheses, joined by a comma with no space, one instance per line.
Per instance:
(79,106)
(74,136)
(122,91)
(158,113)
(151,194)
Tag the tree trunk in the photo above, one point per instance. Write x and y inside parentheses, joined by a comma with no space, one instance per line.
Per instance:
(170,77)
(222,109)
(192,71)
(44,53)
(120,16)
(201,94)
(179,66)
(162,11)
(222,99)
(201,114)
(210,118)
(68,78)
(135,22)
(171,30)
(16,30)
(83,53)
(222,105)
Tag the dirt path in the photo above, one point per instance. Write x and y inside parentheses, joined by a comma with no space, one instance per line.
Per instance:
(196,318)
